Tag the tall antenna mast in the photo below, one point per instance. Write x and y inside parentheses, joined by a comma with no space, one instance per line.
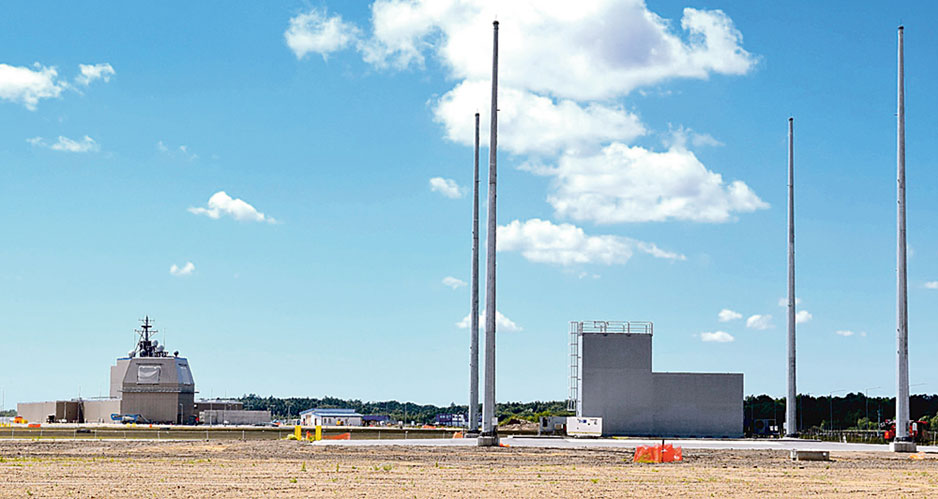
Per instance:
(473,426)
(902,307)
(791,420)
(489,435)
(147,347)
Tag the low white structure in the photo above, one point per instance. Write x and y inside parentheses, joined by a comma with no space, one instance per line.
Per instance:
(330,417)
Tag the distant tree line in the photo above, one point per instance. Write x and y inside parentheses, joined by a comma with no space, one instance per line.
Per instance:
(852,411)
(9,413)
(288,408)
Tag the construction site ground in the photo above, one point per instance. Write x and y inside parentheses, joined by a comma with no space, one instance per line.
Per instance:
(109,468)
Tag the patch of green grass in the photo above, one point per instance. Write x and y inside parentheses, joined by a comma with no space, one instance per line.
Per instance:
(303,468)
(293,480)
(387,467)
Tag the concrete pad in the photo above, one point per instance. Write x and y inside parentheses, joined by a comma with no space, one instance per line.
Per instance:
(810,455)
(901,446)
(570,443)
(488,441)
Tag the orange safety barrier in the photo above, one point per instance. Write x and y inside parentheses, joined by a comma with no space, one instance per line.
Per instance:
(658,454)
(341,436)
(458,434)
(33,425)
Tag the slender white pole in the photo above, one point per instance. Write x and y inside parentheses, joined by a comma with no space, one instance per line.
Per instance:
(489,423)
(902,309)
(791,420)
(473,426)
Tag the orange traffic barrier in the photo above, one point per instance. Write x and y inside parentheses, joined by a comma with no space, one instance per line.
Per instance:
(658,454)
(33,425)
(341,436)
(458,434)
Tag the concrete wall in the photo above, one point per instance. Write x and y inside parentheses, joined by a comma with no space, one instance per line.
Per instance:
(212,416)
(118,371)
(616,381)
(99,411)
(159,407)
(218,405)
(166,398)
(618,385)
(698,405)
(35,412)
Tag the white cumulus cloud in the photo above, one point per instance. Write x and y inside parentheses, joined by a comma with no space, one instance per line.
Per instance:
(569,50)
(533,124)
(759,321)
(222,204)
(561,103)
(447,187)
(931,285)
(542,241)
(844,332)
(453,282)
(633,184)
(317,31)
(65,144)
(502,323)
(803,316)
(185,270)
(727,315)
(717,337)
(92,72)
(28,86)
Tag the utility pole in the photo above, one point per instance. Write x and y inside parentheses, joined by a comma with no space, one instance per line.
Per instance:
(791,428)
(866,395)
(902,442)
(473,426)
(489,436)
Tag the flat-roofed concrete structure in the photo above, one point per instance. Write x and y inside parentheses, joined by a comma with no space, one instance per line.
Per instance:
(218,405)
(148,382)
(233,417)
(612,378)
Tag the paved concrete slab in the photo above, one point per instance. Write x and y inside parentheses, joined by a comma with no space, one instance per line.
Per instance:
(572,443)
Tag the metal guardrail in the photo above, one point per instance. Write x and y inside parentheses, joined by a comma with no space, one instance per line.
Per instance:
(210,433)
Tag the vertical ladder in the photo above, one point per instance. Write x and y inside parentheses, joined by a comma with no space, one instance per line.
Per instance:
(576,329)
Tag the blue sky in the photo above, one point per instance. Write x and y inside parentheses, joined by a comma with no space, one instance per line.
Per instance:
(642,176)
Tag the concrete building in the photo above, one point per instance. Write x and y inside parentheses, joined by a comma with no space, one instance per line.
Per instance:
(612,378)
(330,417)
(233,417)
(149,382)
(455,420)
(218,405)
(159,389)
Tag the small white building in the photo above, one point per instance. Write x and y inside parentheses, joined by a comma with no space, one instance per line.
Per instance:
(330,417)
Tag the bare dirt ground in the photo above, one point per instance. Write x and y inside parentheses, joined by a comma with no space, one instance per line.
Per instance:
(296,469)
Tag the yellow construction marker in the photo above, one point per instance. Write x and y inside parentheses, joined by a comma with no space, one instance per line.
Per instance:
(298,432)
(318,432)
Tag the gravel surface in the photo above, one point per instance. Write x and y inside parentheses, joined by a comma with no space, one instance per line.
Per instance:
(288,468)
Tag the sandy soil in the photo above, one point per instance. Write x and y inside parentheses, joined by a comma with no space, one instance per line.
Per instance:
(287,468)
